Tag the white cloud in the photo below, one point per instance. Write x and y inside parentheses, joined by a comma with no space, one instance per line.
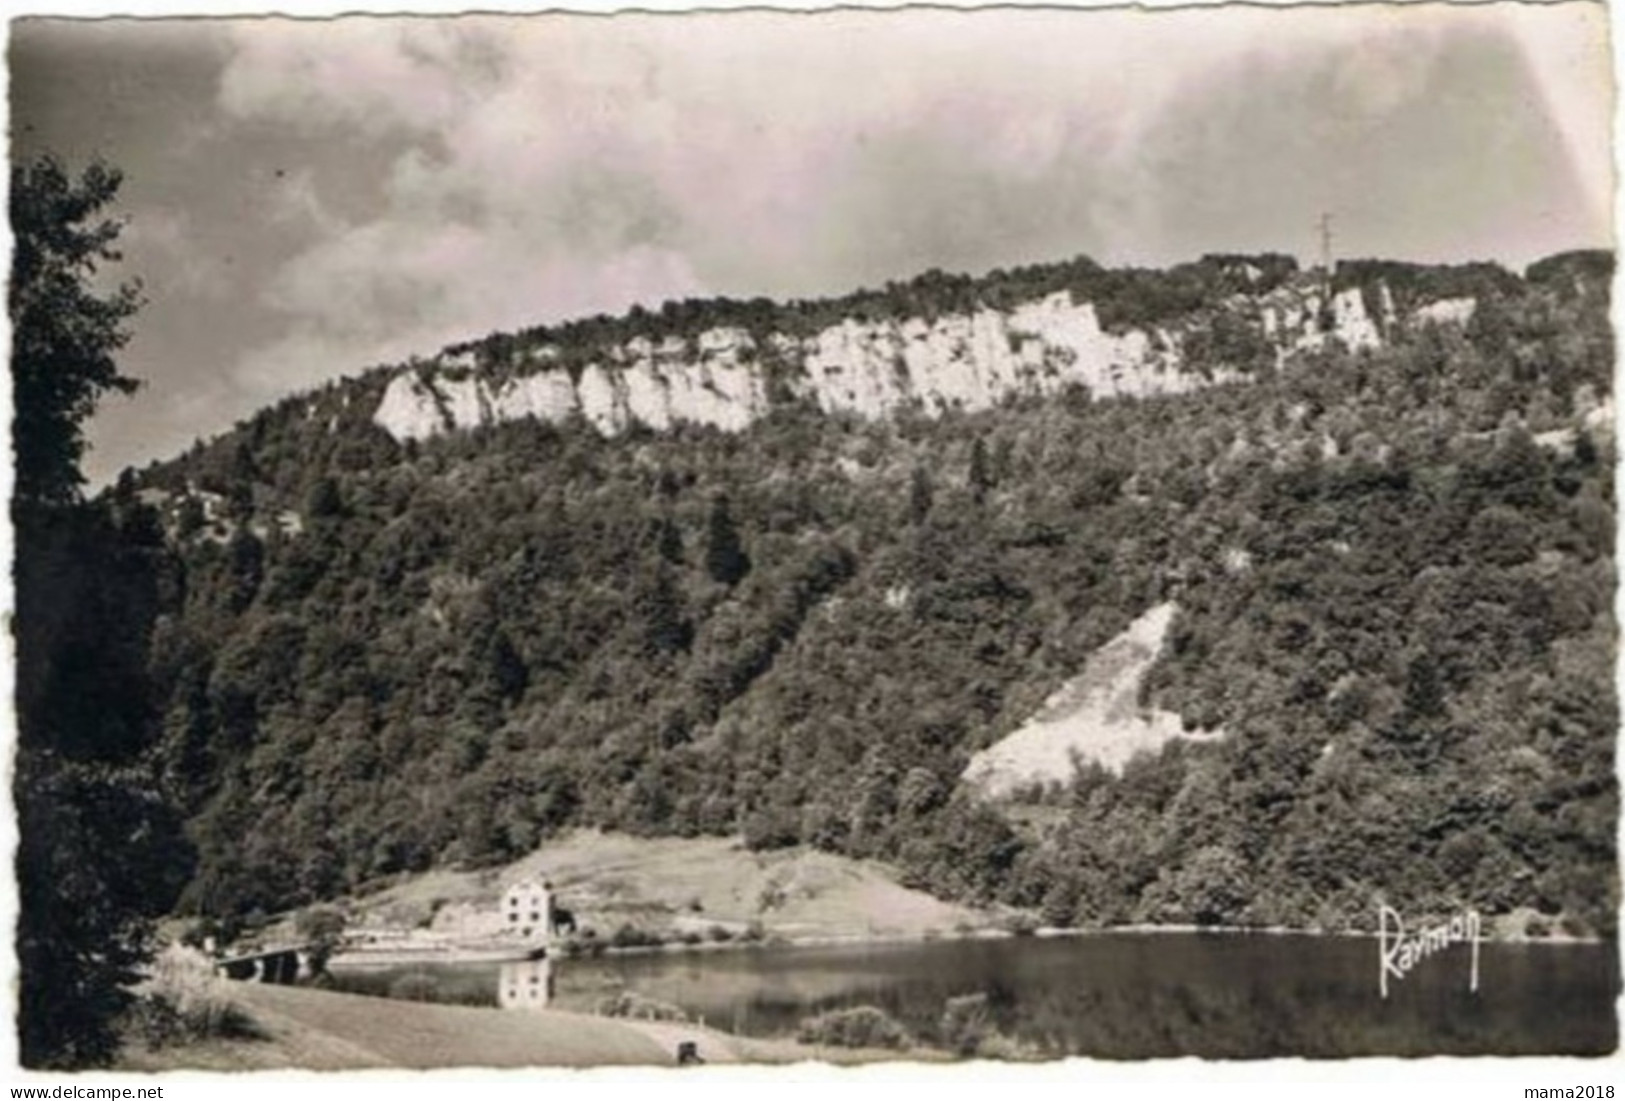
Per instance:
(545,167)
(160,247)
(369,74)
(385,292)
(296,203)
(529,145)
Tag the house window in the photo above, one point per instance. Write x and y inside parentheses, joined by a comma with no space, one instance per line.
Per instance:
(513,917)
(535,916)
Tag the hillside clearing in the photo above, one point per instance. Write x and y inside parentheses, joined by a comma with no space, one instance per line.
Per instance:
(1094,718)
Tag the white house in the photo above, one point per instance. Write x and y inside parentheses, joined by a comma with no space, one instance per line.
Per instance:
(527,907)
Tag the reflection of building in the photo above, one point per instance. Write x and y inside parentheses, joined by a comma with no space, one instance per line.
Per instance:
(525,984)
(527,908)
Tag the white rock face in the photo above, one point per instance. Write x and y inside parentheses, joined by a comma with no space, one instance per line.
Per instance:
(464,402)
(871,369)
(600,403)
(1093,717)
(1447,311)
(547,396)
(1353,325)
(408,410)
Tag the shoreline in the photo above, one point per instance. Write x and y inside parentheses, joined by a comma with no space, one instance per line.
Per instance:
(709,894)
(360,961)
(365,961)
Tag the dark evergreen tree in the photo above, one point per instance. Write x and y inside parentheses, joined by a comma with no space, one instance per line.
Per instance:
(508,669)
(725,557)
(666,628)
(668,541)
(247,556)
(919,496)
(980,477)
(324,501)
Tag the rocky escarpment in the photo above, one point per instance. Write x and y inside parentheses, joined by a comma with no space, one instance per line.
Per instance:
(728,377)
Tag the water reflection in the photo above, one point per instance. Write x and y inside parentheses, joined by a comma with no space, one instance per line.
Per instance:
(1121,996)
(1130,996)
(525,984)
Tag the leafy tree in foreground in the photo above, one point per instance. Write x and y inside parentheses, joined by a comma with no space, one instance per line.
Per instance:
(98,855)
(64,335)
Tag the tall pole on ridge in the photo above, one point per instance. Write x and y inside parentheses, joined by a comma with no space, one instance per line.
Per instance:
(1326,247)
(1325,319)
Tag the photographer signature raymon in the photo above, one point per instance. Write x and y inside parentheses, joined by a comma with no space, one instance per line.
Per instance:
(1400,953)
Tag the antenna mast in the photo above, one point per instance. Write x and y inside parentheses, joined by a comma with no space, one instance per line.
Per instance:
(1326,244)
(1325,319)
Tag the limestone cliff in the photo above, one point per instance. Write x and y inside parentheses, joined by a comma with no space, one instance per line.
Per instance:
(969,360)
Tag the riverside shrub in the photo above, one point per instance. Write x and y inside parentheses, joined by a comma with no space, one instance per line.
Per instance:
(859,1026)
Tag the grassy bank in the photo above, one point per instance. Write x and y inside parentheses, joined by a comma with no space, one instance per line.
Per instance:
(300,1028)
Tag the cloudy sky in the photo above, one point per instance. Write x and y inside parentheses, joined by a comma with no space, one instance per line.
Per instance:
(309,198)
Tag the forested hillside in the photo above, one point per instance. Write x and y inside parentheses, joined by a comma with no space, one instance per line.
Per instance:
(1394,569)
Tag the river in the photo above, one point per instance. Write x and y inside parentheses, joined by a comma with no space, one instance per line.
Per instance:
(1116,995)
